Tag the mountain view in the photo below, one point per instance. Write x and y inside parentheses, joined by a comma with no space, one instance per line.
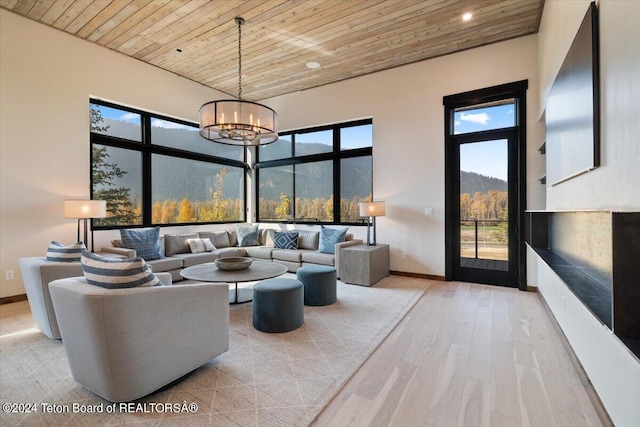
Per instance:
(471,182)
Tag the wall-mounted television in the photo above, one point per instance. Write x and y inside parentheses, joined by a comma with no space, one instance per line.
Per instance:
(572,112)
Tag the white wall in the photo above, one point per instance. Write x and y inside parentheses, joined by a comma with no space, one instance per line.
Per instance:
(614,185)
(46,79)
(408,147)
(614,373)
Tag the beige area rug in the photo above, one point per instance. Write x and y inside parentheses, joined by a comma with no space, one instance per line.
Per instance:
(263,380)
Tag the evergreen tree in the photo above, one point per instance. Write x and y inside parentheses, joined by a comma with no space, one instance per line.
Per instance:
(120,208)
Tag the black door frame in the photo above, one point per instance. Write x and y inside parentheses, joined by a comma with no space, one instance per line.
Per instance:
(516,90)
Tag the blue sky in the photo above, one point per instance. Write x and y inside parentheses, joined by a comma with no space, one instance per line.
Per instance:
(487,158)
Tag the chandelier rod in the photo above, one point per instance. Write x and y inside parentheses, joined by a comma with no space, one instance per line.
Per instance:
(239,21)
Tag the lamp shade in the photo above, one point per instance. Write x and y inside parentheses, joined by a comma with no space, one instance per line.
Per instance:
(85,208)
(372,209)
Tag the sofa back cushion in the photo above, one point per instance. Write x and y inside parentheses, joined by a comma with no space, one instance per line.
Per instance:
(114,273)
(219,239)
(308,239)
(178,243)
(233,237)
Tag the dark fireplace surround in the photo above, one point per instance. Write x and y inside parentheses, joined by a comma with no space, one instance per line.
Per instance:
(597,255)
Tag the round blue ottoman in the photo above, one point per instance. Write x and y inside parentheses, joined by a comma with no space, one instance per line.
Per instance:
(319,284)
(278,305)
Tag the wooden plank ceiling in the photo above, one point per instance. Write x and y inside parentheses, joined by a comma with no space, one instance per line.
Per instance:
(198,39)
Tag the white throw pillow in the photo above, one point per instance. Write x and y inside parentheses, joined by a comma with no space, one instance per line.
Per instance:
(200,245)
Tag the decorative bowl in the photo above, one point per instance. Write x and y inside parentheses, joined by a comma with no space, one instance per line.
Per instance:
(233,263)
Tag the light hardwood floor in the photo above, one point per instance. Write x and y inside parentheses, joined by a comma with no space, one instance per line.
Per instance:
(468,355)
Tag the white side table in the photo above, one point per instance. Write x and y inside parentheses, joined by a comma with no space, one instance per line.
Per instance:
(364,265)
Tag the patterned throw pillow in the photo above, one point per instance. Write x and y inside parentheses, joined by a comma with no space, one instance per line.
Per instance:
(329,237)
(145,242)
(61,253)
(286,239)
(248,235)
(200,245)
(112,273)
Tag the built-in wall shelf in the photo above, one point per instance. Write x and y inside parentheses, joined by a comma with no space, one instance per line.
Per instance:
(543,148)
(595,253)
(543,179)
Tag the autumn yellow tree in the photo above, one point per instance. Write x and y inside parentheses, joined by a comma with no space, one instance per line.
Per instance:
(168,215)
(185,212)
(283,210)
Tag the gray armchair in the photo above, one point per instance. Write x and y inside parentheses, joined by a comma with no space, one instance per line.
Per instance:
(123,344)
(37,272)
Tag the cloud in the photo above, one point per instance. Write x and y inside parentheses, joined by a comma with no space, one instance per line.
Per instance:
(130,117)
(480,118)
(165,124)
(457,122)
(510,111)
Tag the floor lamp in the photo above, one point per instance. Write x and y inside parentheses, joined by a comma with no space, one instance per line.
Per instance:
(371,210)
(85,210)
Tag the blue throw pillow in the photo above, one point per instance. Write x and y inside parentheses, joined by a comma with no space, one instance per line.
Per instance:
(286,239)
(329,237)
(61,253)
(113,273)
(145,242)
(248,235)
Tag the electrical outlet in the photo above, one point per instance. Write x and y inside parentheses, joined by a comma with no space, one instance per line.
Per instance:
(9,275)
(428,211)
(404,256)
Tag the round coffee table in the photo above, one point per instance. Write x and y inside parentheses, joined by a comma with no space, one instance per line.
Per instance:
(258,270)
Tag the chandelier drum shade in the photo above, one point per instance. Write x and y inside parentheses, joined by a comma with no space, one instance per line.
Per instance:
(238,122)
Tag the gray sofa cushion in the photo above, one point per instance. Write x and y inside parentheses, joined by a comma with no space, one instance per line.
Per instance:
(230,252)
(219,239)
(288,254)
(177,243)
(263,252)
(233,238)
(308,239)
(189,260)
(165,264)
(319,258)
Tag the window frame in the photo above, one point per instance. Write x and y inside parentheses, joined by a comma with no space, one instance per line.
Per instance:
(335,156)
(147,149)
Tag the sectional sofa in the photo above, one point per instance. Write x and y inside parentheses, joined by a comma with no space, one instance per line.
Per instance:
(37,272)
(177,252)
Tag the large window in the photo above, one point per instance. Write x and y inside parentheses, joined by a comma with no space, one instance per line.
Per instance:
(316,175)
(154,170)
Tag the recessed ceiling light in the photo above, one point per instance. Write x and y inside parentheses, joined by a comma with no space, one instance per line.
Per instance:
(467,16)
(312,65)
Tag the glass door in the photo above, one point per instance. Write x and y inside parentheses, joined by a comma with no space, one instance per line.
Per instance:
(485,185)
(485,243)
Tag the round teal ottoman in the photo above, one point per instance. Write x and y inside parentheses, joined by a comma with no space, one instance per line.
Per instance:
(319,284)
(278,305)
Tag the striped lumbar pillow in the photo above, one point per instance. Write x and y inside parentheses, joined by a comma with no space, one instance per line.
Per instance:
(61,253)
(117,273)
(200,245)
